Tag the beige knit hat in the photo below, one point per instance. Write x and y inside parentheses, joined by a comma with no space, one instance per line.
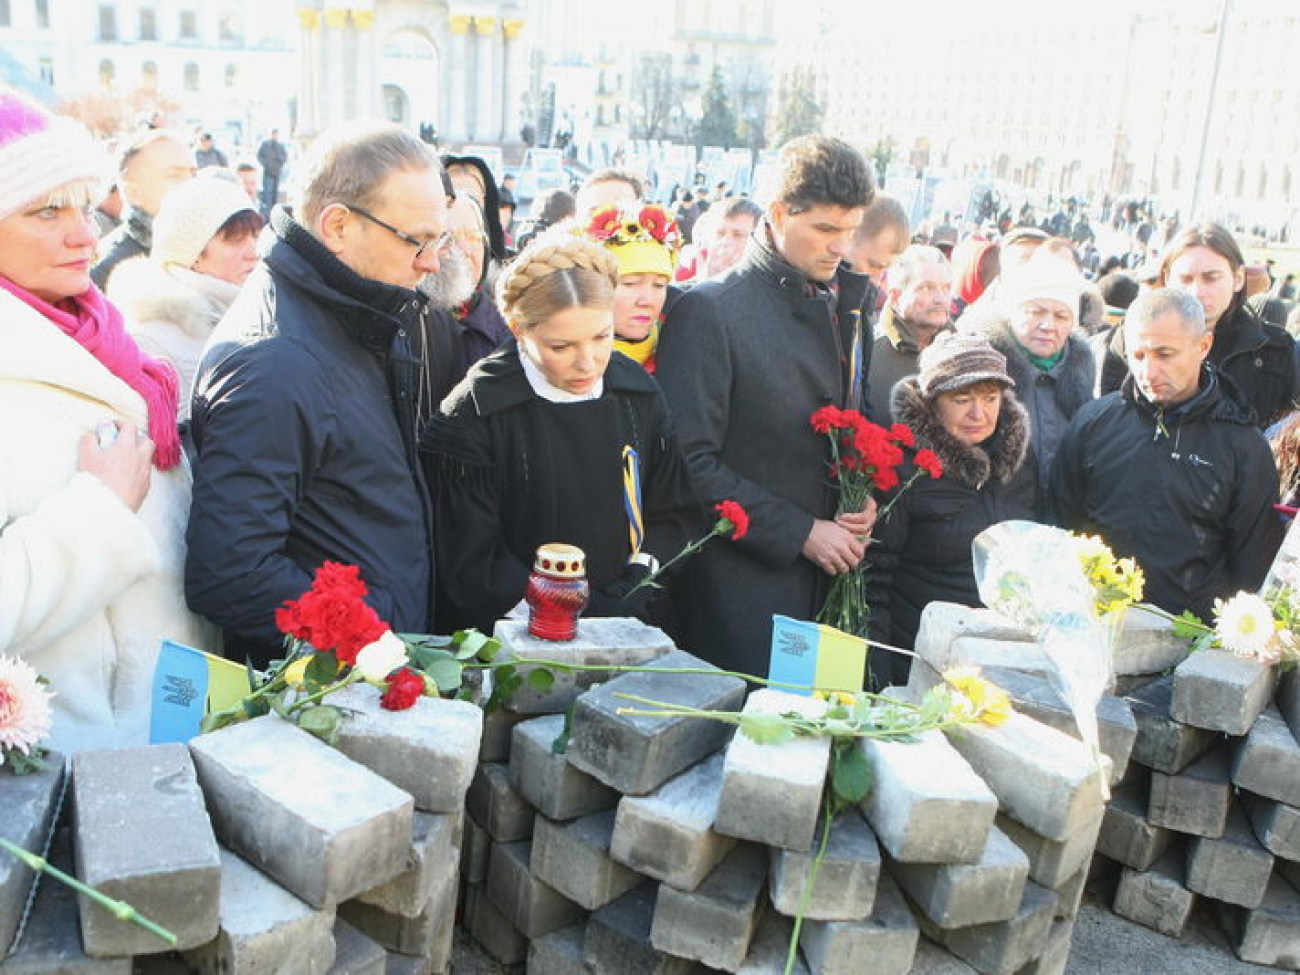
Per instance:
(1043,276)
(955,360)
(192,213)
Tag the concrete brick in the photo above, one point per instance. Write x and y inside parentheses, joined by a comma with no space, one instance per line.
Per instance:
(1146,644)
(1162,743)
(1056,956)
(498,726)
(1004,947)
(142,835)
(635,755)
(530,905)
(983,652)
(669,834)
(885,942)
(601,642)
(1051,862)
(772,793)
(954,895)
(1156,898)
(1045,779)
(926,804)
(846,880)
(399,964)
(558,953)
(1220,691)
(943,622)
(1276,825)
(303,812)
(1233,868)
(421,935)
(1069,895)
(1270,934)
(429,750)
(51,942)
(1035,696)
(492,929)
(28,806)
(1126,833)
(265,930)
(546,780)
(498,808)
(1288,699)
(771,947)
(1196,800)
(355,954)
(1267,763)
(935,959)
(475,849)
(618,938)
(573,858)
(714,923)
(433,851)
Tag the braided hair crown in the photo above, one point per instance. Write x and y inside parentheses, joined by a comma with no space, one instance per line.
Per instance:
(554,253)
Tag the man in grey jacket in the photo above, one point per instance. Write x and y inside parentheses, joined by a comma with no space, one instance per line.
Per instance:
(744,361)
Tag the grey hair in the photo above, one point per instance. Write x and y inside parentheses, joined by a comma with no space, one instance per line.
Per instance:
(1150,305)
(910,263)
(351,163)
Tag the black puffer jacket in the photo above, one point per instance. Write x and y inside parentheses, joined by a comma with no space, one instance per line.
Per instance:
(1258,357)
(303,419)
(922,547)
(1188,492)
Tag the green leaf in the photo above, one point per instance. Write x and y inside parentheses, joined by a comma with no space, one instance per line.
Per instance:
(277,704)
(1189,626)
(429,640)
(540,679)
(468,641)
(425,657)
(850,774)
(26,764)
(322,669)
(221,719)
(837,727)
(561,744)
(446,674)
(323,721)
(766,729)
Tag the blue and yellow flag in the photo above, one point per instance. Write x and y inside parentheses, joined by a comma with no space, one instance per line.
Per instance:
(816,655)
(187,684)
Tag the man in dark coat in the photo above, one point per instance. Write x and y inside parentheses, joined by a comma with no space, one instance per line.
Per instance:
(744,361)
(304,405)
(919,289)
(272,156)
(1171,470)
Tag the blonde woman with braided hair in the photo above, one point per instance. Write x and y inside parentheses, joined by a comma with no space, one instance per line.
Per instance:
(554,437)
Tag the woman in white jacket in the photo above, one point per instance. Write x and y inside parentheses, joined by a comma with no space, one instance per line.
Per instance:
(94,490)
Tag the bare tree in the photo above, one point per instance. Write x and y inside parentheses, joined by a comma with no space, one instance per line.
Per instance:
(655,96)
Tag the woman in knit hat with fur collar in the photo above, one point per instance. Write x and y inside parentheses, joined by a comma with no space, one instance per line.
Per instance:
(95,490)
(962,406)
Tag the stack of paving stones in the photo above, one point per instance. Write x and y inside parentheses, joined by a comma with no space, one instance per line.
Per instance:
(666,845)
(1210,809)
(262,848)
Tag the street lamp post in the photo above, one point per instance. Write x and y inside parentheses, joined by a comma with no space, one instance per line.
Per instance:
(1224,9)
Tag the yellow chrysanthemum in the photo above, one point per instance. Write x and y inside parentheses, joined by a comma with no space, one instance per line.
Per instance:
(976,699)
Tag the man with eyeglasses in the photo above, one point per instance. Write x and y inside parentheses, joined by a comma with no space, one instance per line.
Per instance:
(304,407)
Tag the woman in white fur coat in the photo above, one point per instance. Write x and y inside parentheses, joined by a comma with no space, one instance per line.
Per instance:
(94,489)
(204,249)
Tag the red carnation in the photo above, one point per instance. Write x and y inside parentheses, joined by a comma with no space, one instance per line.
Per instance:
(404,689)
(604,223)
(732,511)
(885,478)
(826,419)
(929,462)
(331,616)
(901,433)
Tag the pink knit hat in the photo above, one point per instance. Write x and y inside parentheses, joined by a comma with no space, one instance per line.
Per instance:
(40,152)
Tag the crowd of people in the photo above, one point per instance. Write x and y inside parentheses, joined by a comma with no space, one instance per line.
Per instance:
(387,370)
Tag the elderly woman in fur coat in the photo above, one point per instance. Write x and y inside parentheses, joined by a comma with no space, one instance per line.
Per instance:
(961,405)
(94,488)
(1035,325)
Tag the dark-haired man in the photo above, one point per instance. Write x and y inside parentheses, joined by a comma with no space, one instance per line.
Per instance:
(744,361)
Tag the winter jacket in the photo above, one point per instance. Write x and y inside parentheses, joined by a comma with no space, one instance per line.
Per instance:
(922,547)
(1051,398)
(171,313)
(1260,358)
(304,425)
(744,361)
(510,471)
(1188,492)
(88,587)
(272,157)
(132,238)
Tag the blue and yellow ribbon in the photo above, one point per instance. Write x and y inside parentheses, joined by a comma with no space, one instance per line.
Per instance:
(632,498)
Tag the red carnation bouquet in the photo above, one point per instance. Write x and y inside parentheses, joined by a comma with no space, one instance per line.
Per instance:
(865,458)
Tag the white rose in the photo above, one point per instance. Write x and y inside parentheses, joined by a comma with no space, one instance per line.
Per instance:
(379,659)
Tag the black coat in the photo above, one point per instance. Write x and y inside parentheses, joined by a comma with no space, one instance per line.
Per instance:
(511,471)
(744,361)
(922,547)
(304,424)
(1188,492)
(1259,357)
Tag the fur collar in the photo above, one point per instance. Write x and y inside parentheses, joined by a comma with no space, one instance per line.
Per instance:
(1074,377)
(146,292)
(999,457)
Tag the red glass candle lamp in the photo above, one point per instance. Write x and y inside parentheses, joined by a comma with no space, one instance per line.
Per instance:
(557,591)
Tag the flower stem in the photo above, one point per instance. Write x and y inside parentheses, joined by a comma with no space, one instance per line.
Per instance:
(805,899)
(119,909)
(883,513)
(1180,620)
(690,549)
(353,676)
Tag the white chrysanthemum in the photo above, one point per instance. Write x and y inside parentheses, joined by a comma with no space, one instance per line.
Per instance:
(1245,626)
(24,707)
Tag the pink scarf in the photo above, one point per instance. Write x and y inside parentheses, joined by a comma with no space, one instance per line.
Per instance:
(97,326)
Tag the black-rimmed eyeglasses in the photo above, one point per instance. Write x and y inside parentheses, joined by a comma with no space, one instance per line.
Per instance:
(439,243)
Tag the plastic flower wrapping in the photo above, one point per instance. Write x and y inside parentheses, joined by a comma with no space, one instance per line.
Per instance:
(1038,577)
